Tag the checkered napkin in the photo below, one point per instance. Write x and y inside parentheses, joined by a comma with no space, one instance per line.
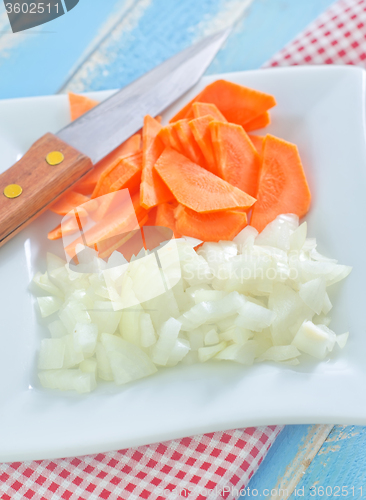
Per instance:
(210,466)
(338,36)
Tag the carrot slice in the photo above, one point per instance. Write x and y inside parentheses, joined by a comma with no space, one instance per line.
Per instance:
(257,141)
(80,104)
(215,226)
(260,121)
(238,104)
(169,138)
(115,224)
(196,188)
(283,187)
(130,177)
(201,132)
(165,217)
(67,202)
(236,157)
(204,108)
(125,172)
(190,148)
(88,183)
(153,190)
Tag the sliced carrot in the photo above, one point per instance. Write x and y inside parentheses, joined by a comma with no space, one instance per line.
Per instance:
(153,190)
(124,173)
(196,188)
(115,224)
(169,138)
(238,104)
(131,174)
(201,132)
(108,246)
(88,183)
(190,148)
(215,226)
(260,121)
(165,217)
(283,187)
(67,202)
(204,108)
(257,141)
(237,159)
(80,104)
(70,226)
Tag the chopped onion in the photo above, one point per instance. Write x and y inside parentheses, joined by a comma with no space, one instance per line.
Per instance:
(206,353)
(51,354)
(49,305)
(262,297)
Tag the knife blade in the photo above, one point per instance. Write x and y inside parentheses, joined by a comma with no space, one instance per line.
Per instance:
(55,162)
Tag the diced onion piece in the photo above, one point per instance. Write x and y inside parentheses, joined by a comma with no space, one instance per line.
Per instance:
(89,366)
(57,329)
(105,317)
(342,339)
(103,366)
(127,361)
(211,311)
(148,335)
(212,337)
(166,342)
(196,339)
(327,305)
(279,353)
(129,325)
(236,334)
(85,337)
(208,295)
(73,312)
(180,350)
(298,237)
(43,282)
(206,353)
(246,237)
(72,358)
(254,317)
(68,380)
(278,233)
(51,354)
(315,340)
(48,305)
(313,294)
(244,354)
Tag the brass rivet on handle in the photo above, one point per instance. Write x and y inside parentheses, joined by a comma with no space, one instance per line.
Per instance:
(13,191)
(55,158)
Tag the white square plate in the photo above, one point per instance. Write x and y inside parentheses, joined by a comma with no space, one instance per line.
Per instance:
(321,109)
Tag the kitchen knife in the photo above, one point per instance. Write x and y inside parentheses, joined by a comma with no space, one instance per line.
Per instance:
(55,162)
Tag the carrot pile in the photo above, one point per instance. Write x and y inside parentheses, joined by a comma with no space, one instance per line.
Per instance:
(202,175)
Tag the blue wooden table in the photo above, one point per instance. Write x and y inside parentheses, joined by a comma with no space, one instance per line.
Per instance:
(102,45)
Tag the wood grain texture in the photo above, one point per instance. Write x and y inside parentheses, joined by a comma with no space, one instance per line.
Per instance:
(42,183)
(341,463)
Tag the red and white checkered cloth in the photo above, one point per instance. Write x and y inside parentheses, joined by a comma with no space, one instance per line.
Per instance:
(338,36)
(202,467)
(209,466)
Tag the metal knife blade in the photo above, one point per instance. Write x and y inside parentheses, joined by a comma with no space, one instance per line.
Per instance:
(102,129)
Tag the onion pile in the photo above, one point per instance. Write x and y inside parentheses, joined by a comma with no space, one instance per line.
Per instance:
(262,297)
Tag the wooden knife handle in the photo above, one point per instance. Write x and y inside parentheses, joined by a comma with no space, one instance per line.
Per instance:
(41,183)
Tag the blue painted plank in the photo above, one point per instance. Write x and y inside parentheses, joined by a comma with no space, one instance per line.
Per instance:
(280,455)
(339,469)
(265,29)
(152,32)
(37,61)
